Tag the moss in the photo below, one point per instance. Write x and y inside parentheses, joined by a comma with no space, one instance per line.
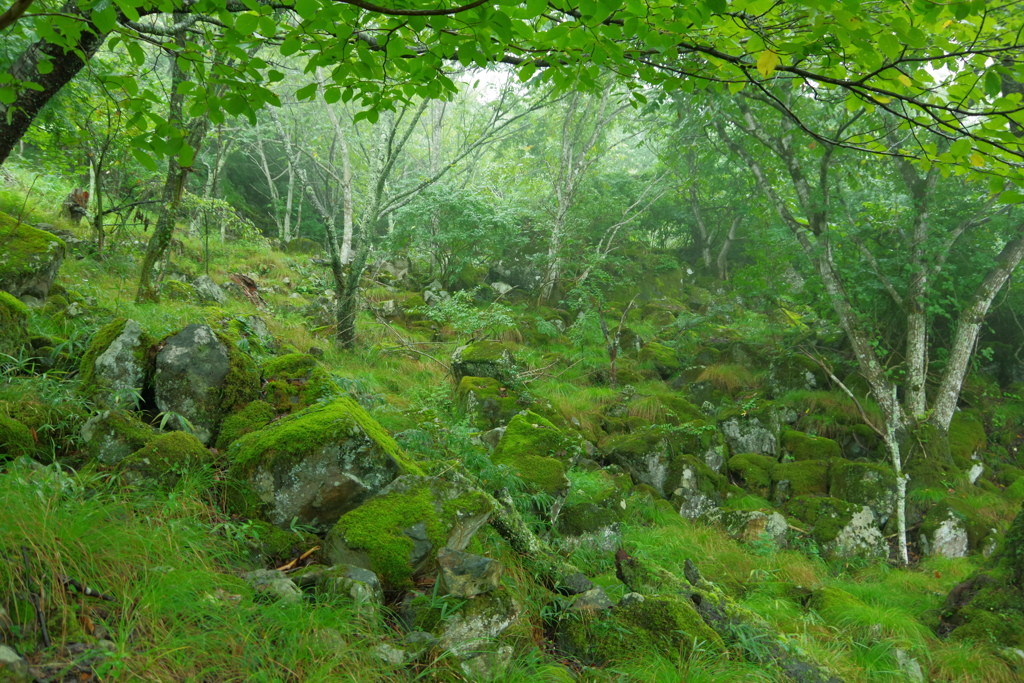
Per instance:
(806,447)
(536,449)
(167,457)
(485,352)
(176,290)
(863,483)
(966,435)
(55,304)
(668,626)
(378,526)
(753,472)
(15,438)
(662,358)
(586,518)
(805,477)
(294,436)
(241,385)
(829,516)
(489,402)
(24,252)
(251,418)
(277,545)
(686,471)
(1004,628)
(98,344)
(975,525)
(115,434)
(13,319)
(296,381)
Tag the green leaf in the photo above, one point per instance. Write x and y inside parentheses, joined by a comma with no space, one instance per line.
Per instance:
(144,158)
(332,95)
(105,18)
(136,52)
(993,84)
(186,156)
(246,24)
(306,92)
(717,6)
(961,147)
(44,67)
(306,9)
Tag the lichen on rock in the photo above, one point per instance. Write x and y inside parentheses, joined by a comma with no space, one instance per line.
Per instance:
(296,381)
(116,366)
(29,258)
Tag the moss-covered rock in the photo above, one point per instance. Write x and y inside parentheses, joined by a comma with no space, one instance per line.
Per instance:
(839,528)
(29,258)
(296,381)
(800,478)
(176,290)
(663,358)
(864,483)
(538,452)
(315,465)
(113,435)
(15,438)
(756,527)
(667,625)
(202,377)
(693,488)
(952,528)
(277,546)
(806,447)
(966,435)
(166,459)
(116,365)
(302,245)
(753,472)
(251,418)
(484,359)
(13,322)
(749,431)
(488,401)
(396,533)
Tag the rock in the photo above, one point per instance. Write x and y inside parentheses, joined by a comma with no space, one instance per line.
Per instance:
(202,377)
(315,465)
(806,447)
(800,478)
(208,291)
(165,459)
(13,669)
(395,533)
(15,438)
(490,403)
(864,484)
(593,600)
(484,359)
(113,435)
(663,358)
(251,418)
(697,488)
(750,434)
(752,526)
(590,525)
(943,534)
(115,368)
(473,628)
(910,666)
(296,381)
(631,598)
(275,585)
(178,290)
(29,258)
(357,583)
(501,288)
(753,472)
(254,330)
(14,323)
(840,529)
(537,451)
(464,575)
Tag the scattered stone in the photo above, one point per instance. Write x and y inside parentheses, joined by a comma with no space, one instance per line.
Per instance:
(274,584)
(593,600)
(464,575)
(13,668)
(750,434)
(357,583)
(208,291)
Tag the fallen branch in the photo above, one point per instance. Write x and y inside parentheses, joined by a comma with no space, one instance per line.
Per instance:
(291,565)
(68,582)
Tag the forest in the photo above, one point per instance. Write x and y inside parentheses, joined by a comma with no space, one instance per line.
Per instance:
(511,341)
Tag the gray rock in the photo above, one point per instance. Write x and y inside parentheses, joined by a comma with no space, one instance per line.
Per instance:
(751,434)
(910,666)
(13,669)
(29,259)
(189,380)
(715,458)
(120,371)
(209,291)
(501,288)
(860,537)
(357,583)
(464,575)
(113,435)
(474,628)
(754,526)
(631,599)
(274,584)
(593,600)
(947,539)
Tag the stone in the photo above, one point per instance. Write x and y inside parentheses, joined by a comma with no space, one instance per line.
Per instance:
(750,434)
(590,525)
(945,537)
(13,668)
(15,438)
(274,584)
(114,369)
(631,598)
(464,575)
(201,377)
(593,600)
(501,288)
(538,452)
(488,401)
(165,459)
(113,435)
(910,666)
(208,291)
(29,258)
(357,583)
(477,624)
(840,529)
(753,526)
(315,465)
(864,483)
(484,359)
(395,533)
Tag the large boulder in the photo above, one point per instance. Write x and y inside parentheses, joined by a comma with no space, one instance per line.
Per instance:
(484,359)
(397,533)
(29,258)
(296,381)
(112,435)
(537,451)
(840,529)
(315,465)
(13,322)
(208,291)
(115,367)
(202,377)
(864,483)
(751,432)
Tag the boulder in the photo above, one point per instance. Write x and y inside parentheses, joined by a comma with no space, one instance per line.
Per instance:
(751,434)
(537,451)
(753,472)
(800,478)
(397,533)
(178,290)
(471,631)
(357,583)
(115,367)
(754,526)
(315,465)
(864,483)
(14,323)
(806,447)
(944,534)
(208,291)
(484,359)
(488,401)
(29,258)
(693,488)
(251,418)
(113,435)
(464,575)
(15,438)
(275,585)
(663,358)
(840,529)
(296,381)
(590,525)
(165,459)
(201,377)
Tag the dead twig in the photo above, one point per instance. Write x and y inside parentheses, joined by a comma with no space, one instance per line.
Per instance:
(34,598)
(846,390)
(68,582)
(291,565)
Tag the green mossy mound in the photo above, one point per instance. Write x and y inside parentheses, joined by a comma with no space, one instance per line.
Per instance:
(15,438)
(166,459)
(302,245)
(176,290)
(806,447)
(296,381)
(13,320)
(484,359)
(29,258)
(113,435)
(864,483)
(586,518)
(537,451)
(805,478)
(753,472)
(668,626)
(966,435)
(251,418)
(397,533)
(488,401)
(828,516)
(662,358)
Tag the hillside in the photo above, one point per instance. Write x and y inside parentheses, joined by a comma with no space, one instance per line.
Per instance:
(208,488)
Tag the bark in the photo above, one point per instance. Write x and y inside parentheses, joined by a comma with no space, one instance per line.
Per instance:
(722,262)
(16,117)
